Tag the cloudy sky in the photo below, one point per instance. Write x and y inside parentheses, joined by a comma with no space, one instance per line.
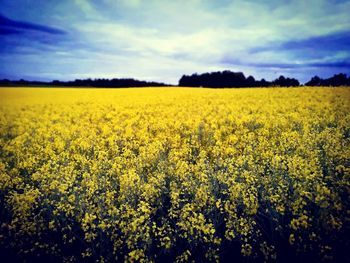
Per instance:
(163,39)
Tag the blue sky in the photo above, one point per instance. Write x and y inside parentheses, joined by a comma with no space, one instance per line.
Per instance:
(163,39)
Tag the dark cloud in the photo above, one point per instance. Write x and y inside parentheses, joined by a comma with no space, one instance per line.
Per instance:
(8,31)
(344,64)
(9,26)
(330,51)
(338,41)
(23,38)
(338,64)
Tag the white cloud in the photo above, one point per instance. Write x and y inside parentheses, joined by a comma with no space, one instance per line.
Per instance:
(87,9)
(184,36)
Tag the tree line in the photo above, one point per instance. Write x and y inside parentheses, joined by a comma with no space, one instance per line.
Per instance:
(229,79)
(337,80)
(108,83)
(219,79)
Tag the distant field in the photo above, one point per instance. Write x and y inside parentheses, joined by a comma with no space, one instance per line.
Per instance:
(175,174)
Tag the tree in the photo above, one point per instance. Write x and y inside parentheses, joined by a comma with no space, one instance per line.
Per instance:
(315,81)
(286,82)
(337,80)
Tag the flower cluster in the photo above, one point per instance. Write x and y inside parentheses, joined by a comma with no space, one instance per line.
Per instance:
(181,174)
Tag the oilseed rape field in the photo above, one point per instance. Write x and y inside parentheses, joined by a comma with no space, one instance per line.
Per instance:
(175,174)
